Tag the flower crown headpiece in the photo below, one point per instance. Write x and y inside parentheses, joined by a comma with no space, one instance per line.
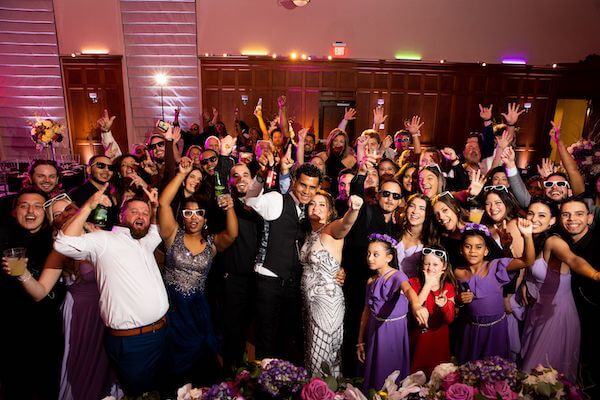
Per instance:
(383,238)
(471,226)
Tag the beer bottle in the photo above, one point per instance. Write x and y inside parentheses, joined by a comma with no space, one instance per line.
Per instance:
(219,186)
(100,215)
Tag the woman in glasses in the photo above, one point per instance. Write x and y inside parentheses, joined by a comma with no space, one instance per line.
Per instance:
(190,251)
(415,229)
(323,298)
(551,333)
(434,286)
(85,372)
(482,326)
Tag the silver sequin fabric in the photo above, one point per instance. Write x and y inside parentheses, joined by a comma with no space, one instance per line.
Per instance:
(323,303)
(184,271)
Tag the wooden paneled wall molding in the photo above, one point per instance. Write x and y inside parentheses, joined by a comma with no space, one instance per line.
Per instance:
(446,96)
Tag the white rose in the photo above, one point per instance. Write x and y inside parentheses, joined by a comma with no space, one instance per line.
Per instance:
(440,373)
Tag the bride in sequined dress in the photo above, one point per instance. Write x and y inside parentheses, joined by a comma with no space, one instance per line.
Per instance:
(322,294)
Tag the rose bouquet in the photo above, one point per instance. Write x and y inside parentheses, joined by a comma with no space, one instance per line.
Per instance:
(44,132)
(586,153)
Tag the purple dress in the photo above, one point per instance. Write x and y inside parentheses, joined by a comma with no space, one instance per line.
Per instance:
(483,328)
(387,347)
(409,259)
(551,335)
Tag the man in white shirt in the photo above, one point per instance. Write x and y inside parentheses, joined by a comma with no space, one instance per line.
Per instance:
(133,298)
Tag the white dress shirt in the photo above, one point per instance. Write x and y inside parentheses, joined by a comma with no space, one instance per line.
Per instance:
(132,292)
(270,206)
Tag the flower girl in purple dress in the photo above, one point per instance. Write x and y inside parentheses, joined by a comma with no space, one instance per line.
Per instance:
(383,335)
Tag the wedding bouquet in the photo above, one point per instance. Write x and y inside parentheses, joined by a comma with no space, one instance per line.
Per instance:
(586,153)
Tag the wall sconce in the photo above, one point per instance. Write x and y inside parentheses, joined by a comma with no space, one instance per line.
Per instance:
(244,99)
(380,102)
(93,97)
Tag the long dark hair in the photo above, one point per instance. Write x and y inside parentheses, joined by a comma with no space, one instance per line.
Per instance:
(509,201)
(539,239)
(400,177)
(429,230)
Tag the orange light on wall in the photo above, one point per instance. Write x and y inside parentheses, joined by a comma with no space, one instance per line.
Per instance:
(94,52)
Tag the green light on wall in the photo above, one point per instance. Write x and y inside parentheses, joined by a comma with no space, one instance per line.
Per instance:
(407,56)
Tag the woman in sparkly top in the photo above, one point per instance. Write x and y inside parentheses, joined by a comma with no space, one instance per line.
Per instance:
(190,251)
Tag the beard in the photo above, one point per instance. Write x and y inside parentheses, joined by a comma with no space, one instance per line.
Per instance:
(138,233)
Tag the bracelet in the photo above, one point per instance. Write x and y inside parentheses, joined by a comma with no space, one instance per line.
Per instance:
(361,344)
(417,134)
(487,120)
(25,277)
(511,125)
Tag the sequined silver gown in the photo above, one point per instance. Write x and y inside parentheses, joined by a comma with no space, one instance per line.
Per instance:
(323,302)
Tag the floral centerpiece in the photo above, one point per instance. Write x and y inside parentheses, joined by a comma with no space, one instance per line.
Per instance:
(586,152)
(44,133)
(493,378)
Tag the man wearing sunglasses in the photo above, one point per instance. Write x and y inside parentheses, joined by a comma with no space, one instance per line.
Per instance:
(100,171)
(30,330)
(373,218)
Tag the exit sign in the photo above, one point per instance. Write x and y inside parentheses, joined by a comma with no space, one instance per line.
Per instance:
(339,50)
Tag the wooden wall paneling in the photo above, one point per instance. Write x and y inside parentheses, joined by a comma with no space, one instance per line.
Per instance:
(228,77)
(312,79)
(311,111)
(428,115)
(364,114)
(295,105)
(397,105)
(210,77)
(329,80)
(444,117)
(364,80)
(244,77)
(347,79)
(230,99)
(295,78)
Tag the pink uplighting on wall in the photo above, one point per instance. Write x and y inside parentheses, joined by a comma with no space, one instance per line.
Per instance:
(515,61)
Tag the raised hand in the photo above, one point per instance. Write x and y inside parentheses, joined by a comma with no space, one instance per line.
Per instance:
(512,115)
(206,115)
(525,227)
(302,135)
(506,139)
(349,113)
(449,154)
(98,198)
(485,113)
(477,182)
(136,180)
(105,122)
(281,101)
(555,131)
(152,194)
(505,237)
(366,164)
(185,165)
(378,117)
(258,112)
(355,202)
(547,168)
(442,299)
(225,202)
(414,125)
(387,142)
(508,157)
(287,162)
(215,113)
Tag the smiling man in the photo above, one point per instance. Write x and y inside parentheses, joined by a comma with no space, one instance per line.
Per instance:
(278,301)
(31,370)
(133,298)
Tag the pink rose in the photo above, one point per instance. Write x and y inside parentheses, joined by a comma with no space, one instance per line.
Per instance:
(317,389)
(501,388)
(450,379)
(460,391)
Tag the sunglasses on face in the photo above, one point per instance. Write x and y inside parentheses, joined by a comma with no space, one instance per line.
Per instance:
(62,196)
(549,184)
(403,139)
(387,193)
(433,166)
(189,213)
(212,159)
(436,252)
(153,146)
(446,193)
(495,187)
(101,165)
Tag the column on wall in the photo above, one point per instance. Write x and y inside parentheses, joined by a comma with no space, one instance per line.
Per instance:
(160,38)
(30,77)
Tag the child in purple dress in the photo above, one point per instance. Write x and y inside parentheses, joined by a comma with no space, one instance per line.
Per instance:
(383,333)
(483,329)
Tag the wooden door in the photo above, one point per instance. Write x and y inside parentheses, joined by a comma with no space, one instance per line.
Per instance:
(93,84)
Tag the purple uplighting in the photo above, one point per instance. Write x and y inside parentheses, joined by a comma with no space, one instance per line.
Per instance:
(519,61)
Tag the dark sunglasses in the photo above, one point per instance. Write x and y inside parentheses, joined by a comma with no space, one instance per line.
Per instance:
(153,146)
(189,213)
(436,252)
(101,165)
(403,139)
(209,160)
(549,184)
(387,193)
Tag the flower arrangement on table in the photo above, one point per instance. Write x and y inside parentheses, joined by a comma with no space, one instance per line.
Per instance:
(45,132)
(491,379)
(586,153)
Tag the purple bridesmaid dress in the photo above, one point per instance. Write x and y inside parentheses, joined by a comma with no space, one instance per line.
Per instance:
(387,347)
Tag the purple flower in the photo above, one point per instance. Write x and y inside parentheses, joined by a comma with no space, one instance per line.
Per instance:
(280,378)
(450,379)
(460,391)
(222,391)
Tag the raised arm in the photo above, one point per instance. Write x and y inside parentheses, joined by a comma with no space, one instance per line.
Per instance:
(300,146)
(261,122)
(283,121)
(111,147)
(225,238)
(74,227)
(349,115)
(167,223)
(339,228)
(414,128)
(378,118)
(517,185)
(38,289)
(561,250)
(528,257)
(575,178)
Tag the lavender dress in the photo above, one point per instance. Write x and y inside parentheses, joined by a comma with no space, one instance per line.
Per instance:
(409,259)
(551,335)
(387,335)
(483,328)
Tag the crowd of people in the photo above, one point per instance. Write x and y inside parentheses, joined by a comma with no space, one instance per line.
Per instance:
(205,246)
